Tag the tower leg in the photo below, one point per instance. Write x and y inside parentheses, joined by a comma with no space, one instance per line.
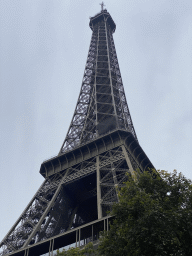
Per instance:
(128,162)
(45,212)
(99,209)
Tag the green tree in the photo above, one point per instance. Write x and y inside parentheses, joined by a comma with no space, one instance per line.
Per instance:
(153,217)
(86,251)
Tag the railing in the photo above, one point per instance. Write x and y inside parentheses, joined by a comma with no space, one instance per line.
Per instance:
(76,237)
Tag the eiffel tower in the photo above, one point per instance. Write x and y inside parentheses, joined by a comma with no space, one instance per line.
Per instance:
(101,147)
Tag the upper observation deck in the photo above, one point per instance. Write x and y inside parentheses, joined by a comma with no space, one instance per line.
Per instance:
(101,16)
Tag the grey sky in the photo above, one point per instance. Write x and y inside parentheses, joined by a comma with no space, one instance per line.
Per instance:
(43,51)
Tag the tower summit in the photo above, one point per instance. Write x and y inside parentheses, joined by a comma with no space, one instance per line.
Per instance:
(100,149)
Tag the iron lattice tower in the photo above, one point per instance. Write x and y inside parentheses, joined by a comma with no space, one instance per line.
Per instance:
(102,105)
(101,147)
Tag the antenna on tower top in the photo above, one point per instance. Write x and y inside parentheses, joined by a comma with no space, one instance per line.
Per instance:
(102,5)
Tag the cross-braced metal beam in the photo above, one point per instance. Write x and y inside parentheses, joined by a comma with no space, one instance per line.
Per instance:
(102,105)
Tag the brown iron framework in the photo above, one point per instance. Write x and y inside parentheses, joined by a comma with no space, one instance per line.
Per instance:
(99,153)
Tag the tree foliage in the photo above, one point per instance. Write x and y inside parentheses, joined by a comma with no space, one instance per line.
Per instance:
(153,217)
(86,251)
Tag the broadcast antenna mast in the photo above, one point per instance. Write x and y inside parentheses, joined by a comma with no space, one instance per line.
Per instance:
(102,5)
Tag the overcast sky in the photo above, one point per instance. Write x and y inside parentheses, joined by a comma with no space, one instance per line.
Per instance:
(43,51)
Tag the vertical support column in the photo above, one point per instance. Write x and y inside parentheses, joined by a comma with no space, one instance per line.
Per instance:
(52,247)
(76,238)
(99,208)
(128,162)
(79,236)
(109,66)
(92,233)
(26,252)
(95,83)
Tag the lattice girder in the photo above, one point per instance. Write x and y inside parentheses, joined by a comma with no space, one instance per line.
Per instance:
(102,105)
(74,196)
